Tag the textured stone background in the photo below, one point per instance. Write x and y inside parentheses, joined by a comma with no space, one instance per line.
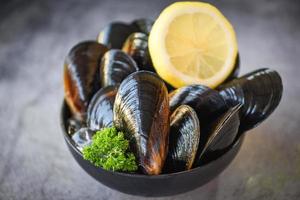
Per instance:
(36,35)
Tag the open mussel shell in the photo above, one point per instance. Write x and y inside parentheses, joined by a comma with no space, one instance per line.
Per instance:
(143,25)
(136,45)
(115,67)
(81,75)
(115,34)
(207,102)
(100,109)
(261,94)
(183,139)
(141,110)
(223,132)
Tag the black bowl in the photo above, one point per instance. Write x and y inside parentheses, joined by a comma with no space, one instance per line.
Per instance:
(158,185)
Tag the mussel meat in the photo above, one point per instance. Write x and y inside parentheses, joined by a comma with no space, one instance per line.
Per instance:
(100,109)
(222,133)
(143,25)
(115,34)
(141,110)
(83,137)
(115,67)
(136,46)
(183,139)
(261,94)
(81,75)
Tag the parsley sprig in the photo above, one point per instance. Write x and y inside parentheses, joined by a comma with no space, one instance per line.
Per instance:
(110,150)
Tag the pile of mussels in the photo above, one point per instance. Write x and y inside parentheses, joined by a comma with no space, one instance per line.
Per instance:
(112,82)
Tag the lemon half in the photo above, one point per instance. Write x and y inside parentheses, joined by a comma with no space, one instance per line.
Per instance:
(193,43)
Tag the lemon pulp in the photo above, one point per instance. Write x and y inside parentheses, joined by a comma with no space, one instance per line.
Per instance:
(193,43)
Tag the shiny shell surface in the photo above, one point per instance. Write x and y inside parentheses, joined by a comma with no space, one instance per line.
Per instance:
(223,132)
(143,25)
(115,67)
(233,95)
(100,109)
(207,102)
(183,139)
(82,137)
(141,110)
(81,75)
(74,125)
(136,45)
(115,34)
(262,91)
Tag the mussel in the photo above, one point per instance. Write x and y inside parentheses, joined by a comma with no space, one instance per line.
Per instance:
(83,137)
(115,34)
(81,75)
(136,46)
(261,94)
(222,133)
(100,109)
(116,66)
(141,110)
(143,25)
(74,125)
(233,95)
(183,139)
(207,102)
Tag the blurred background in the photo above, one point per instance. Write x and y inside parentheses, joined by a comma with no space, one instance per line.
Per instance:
(35,37)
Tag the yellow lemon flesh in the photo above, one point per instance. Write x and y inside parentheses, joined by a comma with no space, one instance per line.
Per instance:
(193,43)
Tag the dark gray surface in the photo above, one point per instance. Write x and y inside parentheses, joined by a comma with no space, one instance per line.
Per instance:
(35,36)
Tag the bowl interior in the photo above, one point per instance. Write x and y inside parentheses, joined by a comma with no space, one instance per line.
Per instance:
(158,185)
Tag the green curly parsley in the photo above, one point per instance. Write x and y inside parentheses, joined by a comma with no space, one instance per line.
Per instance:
(110,150)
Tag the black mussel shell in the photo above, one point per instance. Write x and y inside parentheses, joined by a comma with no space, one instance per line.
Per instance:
(143,25)
(262,91)
(81,75)
(74,125)
(141,110)
(233,95)
(222,134)
(183,139)
(82,137)
(100,109)
(115,34)
(115,67)
(136,46)
(207,102)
